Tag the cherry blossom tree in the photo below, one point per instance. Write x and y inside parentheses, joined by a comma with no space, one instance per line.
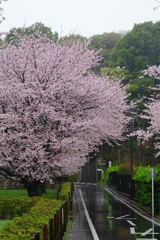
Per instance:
(152,113)
(1,11)
(53,109)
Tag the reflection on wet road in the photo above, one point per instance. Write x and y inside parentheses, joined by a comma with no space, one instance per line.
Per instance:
(113,220)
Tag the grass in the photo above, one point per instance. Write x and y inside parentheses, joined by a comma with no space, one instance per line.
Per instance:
(68,230)
(13,193)
(3,223)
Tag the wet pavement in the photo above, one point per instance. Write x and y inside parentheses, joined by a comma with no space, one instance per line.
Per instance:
(80,226)
(111,218)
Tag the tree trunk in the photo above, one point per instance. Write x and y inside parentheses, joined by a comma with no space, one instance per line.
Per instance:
(34,188)
(43,187)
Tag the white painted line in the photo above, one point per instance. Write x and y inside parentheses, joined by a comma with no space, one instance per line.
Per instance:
(127,204)
(122,217)
(149,231)
(94,233)
(132,230)
(146,239)
(131,223)
(125,217)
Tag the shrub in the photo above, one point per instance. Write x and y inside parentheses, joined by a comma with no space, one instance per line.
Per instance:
(35,212)
(109,170)
(124,168)
(26,226)
(12,207)
(65,190)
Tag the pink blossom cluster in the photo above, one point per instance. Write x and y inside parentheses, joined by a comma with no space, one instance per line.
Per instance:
(153,109)
(53,109)
(1,11)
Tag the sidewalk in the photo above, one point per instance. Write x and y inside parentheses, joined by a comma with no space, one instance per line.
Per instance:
(80,228)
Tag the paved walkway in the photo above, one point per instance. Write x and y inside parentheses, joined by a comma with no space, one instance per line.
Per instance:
(80,227)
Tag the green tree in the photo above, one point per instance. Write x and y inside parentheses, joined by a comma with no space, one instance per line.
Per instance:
(138,48)
(105,43)
(37,27)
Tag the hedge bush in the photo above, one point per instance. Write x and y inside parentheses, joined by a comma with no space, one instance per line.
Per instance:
(65,190)
(32,214)
(26,226)
(108,171)
(12,207)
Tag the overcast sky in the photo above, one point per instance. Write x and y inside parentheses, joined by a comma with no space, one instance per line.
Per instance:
(85,17)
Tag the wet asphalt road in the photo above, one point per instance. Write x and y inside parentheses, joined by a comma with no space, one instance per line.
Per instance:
(112,220)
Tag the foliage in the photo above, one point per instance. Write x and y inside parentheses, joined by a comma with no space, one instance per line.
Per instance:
(120,73)
(73,178)
(143,194)
(143,186)
(105,43)
(68,231)
(142,174)
(31,222)
(39,27)
(12,204)
(37,212)
(138,48)
(72,38)
(108,171)
(11,207)
(124,168)
(65,190)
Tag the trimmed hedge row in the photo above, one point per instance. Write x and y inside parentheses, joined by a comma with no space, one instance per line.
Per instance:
(37,212)
(13,207)
(26,226)
(65,190)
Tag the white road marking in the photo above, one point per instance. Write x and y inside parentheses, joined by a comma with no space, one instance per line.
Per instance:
(131,223)
(94,233)
(132,230)
(149,231)
(124,217)
(128,205)
(146,239)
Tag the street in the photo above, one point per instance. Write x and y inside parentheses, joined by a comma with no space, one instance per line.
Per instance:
(113,220)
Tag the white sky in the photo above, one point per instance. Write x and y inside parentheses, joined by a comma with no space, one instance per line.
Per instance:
(85,17)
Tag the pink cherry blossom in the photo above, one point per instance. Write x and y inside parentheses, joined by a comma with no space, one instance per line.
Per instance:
(54,109)
(1,11)
(153,109)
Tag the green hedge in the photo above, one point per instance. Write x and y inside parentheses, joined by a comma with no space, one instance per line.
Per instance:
(26,226)
(108,171)
(35,213)
(12,207)
(65,190)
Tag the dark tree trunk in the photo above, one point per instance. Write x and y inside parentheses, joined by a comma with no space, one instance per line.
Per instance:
(34,188)
(43,187)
